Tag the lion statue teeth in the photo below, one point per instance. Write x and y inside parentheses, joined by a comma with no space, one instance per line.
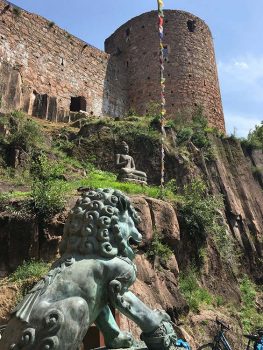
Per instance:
(94,272)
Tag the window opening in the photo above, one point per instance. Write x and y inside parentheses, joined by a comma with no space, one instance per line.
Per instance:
(166,53)
(78,104)
(191,24)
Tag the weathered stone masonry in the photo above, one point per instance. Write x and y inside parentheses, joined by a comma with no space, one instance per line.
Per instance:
(47,72)
(190,67)
(42,67)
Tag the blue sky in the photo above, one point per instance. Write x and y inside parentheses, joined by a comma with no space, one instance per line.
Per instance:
(237,31)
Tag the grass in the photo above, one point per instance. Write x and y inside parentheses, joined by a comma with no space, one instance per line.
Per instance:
(29,270)
(195,295)
(25,276)
(102,179)
(131,125)
(251,318)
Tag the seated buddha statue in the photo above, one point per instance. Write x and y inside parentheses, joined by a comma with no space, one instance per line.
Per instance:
(126,166)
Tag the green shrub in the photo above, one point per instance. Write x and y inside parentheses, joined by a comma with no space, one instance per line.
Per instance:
(196,130)
(25,132)
(254,139)
(199,215)
(16,11)
(4,201)
(250,317)
(48,189)
(184,135)
(51,24)
(159,249)
(193,293)
(257,170)
(153,109)
(46,169)
(49,197)
(199,210)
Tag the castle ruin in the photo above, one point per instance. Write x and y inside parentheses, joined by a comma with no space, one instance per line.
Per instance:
(51,74)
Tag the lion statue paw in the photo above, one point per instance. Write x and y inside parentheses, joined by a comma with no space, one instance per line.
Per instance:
(123,340)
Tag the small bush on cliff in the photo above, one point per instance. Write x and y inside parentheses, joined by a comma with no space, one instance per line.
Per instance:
(254,139)
(193,293)
(24,132)
(251,318)
(200,216)
(159,249)
(195,130)
(17,11)
(199,210)
(48,189)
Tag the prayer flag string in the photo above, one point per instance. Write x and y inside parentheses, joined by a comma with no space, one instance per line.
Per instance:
(162,84)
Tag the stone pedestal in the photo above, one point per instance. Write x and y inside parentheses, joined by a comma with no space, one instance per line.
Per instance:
(133,178)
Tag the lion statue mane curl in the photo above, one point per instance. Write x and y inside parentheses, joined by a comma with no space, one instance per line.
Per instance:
(94,225)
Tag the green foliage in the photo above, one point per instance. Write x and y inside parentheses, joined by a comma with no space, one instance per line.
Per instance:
(129,128)
(159,249)
(153,109)
(257,170)
(48,189)
(199,214)
(254,139)
(51,24)
(49,198)
(4,201)
(199,210)
(46,169)
(172,186)
(103,179)
(250,317)
(27,274)
(29,270)
(17,11)
(184,135)
(25,133)
(195,130)
(193,293)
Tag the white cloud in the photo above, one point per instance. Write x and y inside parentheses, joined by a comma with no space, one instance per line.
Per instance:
(240,124)
(243,74)
(245,68)
(241,65)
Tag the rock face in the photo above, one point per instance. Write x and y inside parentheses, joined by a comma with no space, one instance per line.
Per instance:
(230,174)
(19,241)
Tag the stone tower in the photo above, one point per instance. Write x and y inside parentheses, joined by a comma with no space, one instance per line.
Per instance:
(190,65)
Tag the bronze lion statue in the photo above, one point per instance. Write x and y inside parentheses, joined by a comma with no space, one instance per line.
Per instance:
(94,272)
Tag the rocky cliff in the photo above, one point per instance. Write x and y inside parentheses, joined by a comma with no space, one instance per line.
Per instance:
(217,271)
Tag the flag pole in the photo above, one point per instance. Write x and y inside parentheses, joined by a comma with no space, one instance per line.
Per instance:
(162,84)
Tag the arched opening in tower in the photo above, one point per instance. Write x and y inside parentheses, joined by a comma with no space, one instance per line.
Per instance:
(78,104)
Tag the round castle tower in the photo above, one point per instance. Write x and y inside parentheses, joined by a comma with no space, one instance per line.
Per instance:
(190,65)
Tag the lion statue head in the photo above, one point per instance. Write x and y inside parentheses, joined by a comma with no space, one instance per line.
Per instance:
(102,223)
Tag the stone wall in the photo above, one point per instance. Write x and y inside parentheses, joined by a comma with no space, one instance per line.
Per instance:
(190,66)
(42,67)
(47,72)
